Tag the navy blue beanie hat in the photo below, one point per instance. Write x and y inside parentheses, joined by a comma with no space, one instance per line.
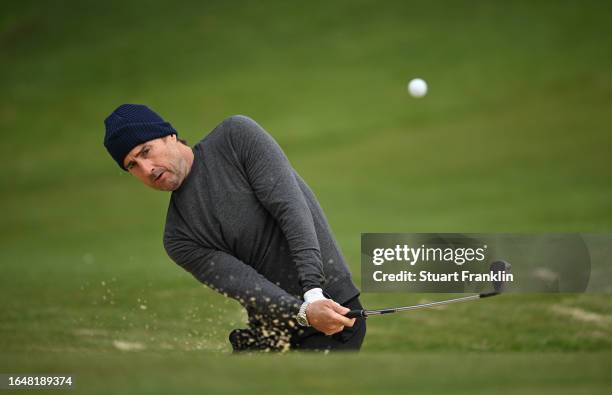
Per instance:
(130,125)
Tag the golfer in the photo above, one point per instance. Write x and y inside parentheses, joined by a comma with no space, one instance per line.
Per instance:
(242,221)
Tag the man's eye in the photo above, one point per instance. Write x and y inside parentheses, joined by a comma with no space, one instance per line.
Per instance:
(145,151)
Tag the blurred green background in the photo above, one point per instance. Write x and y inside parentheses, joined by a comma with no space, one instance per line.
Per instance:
(514,136)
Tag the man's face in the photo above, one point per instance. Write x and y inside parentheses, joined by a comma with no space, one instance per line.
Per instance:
(159,164)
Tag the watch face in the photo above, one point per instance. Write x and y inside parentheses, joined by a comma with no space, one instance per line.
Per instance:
(301,320)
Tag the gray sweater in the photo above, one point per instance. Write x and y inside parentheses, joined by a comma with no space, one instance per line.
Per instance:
(245,223)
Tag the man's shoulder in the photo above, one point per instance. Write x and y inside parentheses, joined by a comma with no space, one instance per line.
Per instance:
(235,132)
(237,121)
(230,127)
(234,122)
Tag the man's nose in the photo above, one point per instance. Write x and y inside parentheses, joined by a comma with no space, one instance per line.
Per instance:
(147,167)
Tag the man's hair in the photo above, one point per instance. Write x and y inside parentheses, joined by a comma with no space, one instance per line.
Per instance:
(183,141)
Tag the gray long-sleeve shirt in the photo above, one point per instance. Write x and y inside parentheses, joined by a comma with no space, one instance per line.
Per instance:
(246,224)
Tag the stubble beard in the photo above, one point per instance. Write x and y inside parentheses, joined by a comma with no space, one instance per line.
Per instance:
(177,177)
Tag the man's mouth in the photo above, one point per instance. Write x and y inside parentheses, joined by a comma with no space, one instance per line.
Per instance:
(159,176)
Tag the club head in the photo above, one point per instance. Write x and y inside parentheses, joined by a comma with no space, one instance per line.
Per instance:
(498,267)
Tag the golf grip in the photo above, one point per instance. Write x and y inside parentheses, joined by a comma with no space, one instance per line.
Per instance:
(355,314)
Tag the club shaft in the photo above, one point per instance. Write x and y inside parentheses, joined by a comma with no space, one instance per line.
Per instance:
(496,266)
(367,313)
(422,306)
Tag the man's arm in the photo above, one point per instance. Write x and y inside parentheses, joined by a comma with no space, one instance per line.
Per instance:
(271,176)
(228,275)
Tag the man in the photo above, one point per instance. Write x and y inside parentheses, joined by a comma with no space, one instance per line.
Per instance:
(243,222)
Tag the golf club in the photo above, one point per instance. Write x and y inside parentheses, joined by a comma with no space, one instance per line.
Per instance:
(498,287)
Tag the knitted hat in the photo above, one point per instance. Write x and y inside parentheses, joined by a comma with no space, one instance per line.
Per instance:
(130,125)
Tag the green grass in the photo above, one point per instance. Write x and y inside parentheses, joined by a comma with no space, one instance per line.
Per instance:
(388,373)
(513,137)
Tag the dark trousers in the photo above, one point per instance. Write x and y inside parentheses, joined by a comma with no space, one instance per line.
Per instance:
(256,338)
(350,339)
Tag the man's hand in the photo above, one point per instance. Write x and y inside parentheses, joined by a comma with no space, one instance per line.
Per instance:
(327,316)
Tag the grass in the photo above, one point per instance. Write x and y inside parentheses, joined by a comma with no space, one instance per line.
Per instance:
(513,137)
(388,373)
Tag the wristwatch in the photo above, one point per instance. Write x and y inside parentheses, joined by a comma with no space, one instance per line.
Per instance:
(301,318)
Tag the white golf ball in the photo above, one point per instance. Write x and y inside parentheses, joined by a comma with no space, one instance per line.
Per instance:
(417,87)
